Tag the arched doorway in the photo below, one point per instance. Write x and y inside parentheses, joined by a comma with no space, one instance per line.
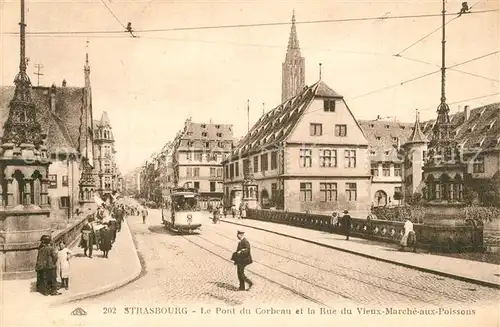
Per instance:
(380,198)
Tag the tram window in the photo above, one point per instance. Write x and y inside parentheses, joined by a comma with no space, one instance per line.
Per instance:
(186,204)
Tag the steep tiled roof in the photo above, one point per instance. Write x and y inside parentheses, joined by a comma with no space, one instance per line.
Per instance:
(63,125)
(211,131)
(276,125)
(482,129)
(417,136)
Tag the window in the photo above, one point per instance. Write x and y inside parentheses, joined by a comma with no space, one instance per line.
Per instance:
(206,144)
(305,158)
(65,181)
(386,126)
(188,156)
(274,160)
(374,169)
(219,134)
(305,191)
(203,126)
(255,164)
(64,202)
(329,105)
(274,192)
(341,130)
(198,157)
(227,171)
(264,165)
(212,186)
(196,172)
(212,172)
(377,138)
(219,172)
(397,189)
(52,181)
(217,126)
(246,166)
(315,129)
(189,172)
(204,134)
(397,170)
(351,192)
(478,165)
(350,158)
(386,169)
(237,168)
(328,192)
(190,143)
(328,158)
(231,171)
(197,185)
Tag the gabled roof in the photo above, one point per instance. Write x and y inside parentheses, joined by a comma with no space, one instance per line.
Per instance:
(63,125)
(277,124)
(481,130)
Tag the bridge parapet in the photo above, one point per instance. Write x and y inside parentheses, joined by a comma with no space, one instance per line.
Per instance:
(436,238)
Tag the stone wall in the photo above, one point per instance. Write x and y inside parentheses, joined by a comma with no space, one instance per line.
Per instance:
(467,238)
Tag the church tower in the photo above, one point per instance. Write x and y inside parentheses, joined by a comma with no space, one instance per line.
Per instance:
(293,69)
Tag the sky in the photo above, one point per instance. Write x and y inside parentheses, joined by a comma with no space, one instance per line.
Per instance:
(149,85)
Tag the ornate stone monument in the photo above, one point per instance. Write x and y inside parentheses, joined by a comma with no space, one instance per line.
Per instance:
(24,209)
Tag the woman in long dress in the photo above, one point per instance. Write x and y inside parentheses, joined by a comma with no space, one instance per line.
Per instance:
(62,266)
(408,238)
(106,240)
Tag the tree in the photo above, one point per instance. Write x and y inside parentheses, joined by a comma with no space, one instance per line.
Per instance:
(416,198)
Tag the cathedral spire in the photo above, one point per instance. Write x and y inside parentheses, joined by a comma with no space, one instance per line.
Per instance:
(293,69)
(293,40)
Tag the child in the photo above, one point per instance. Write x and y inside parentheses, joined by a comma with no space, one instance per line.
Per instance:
(63,257)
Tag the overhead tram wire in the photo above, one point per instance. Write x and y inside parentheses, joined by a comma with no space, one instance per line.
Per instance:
(425,75)
(174,29)
(436,30)
(113,14)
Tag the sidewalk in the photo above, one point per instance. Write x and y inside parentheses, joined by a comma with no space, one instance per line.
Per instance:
(88,277)
(466,270)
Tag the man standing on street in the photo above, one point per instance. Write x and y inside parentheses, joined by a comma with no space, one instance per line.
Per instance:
(346,224)
(242,258)
(144,215)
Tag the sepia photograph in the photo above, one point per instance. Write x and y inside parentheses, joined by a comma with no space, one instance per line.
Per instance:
(249,163)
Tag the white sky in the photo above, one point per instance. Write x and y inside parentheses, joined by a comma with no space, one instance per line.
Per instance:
(150,85)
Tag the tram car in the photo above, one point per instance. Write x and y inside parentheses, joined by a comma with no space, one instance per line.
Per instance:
(185,212)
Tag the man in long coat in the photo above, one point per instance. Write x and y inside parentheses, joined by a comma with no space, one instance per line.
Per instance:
(88,237)
(346,224)
(242,258)
(46,267)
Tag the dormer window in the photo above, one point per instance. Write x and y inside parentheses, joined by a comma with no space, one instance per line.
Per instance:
(402,127)
(204,134)
(207,144)
(203,126)
(219,134)
(372,153)
(329,105)
(386,153)
(372,126)
(217,126)
(377,138)
(386,126)
(190,143)
(394,139)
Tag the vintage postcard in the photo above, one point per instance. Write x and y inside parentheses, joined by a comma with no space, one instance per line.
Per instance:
(249,163)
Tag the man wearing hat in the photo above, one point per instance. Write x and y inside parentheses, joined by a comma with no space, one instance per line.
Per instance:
(242,258)
(46,267)
(346,224)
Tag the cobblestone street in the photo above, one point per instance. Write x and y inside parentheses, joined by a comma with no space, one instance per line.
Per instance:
(195,270)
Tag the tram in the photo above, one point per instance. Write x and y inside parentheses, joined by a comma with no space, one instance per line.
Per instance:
(185,212)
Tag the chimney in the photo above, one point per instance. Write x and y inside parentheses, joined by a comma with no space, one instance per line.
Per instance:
(53,98)
(64,83)
(466,113)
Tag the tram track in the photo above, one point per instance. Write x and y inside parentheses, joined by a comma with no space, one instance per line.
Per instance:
(384,279)
(345,295)
(294,291)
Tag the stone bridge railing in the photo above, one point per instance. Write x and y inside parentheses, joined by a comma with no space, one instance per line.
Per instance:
(467,238)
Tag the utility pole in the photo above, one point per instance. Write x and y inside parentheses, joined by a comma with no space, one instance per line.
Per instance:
(38,68)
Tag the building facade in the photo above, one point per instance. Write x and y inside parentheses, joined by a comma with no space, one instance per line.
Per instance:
(197,155)
(106,172)
(307,154)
